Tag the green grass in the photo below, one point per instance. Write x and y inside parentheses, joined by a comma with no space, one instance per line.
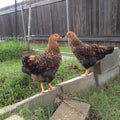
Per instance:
(43,47)
(64,50)
(14,83)
(104,101)
(39,114)
(38,46)
(11,50)
(16,86)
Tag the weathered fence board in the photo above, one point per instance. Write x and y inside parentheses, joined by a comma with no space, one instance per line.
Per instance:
(87,18)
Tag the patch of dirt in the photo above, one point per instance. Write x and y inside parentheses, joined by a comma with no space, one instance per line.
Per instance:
(74,67)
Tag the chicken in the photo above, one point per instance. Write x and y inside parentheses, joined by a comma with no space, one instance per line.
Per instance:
(43,67)
(87,54)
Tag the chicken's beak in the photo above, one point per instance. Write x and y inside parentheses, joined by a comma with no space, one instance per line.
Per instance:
(58,38)
(66,37)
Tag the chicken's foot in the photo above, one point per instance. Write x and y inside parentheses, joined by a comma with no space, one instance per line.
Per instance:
(50,86)
(86,72)
(42,87)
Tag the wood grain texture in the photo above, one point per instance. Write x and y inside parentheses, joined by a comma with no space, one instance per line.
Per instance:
(87,18)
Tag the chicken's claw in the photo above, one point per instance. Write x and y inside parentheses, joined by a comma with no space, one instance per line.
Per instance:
(86,73)
(44,91)
(50,86)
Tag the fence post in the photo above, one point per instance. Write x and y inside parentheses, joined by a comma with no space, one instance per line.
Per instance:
(67,17)
(29,25)
(23,23)
(16,19)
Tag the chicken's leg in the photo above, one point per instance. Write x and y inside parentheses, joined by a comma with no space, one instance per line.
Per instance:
(50,86)
(42,87)
(86,72)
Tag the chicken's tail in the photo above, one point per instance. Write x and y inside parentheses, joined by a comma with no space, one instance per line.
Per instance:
(26,70)
(109,50)
(25,62)
(25,59)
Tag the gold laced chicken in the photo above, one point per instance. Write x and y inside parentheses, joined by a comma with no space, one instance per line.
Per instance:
(87,54)
(44,67)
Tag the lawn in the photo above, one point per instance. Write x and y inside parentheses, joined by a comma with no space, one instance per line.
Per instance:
(64,50)
(43,47)
(104,101)
(16,86)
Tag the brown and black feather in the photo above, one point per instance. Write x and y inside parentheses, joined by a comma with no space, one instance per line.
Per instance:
(45,65)
(88,54)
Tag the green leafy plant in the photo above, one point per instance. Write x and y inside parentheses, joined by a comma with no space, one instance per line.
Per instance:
(11,50)
(39,114)
(16,86)
(104,101)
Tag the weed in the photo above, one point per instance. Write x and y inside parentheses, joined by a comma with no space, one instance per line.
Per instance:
(11,50)
(105,103)
(39,114)
(16,86)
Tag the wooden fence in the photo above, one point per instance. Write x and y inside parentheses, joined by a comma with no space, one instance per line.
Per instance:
(87,18)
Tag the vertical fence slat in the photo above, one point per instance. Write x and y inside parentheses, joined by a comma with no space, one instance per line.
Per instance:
(87,18)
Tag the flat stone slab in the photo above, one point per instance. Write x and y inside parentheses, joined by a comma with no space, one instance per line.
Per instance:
(71,110)
(15,117)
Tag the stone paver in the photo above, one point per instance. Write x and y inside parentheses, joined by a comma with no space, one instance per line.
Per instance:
(71,110)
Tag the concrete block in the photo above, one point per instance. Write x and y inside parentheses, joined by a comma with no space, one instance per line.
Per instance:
(7,109)
(41,99)
(109,62)
(78,84)
(71,110)
(103,78)
(15,117)
(44,99)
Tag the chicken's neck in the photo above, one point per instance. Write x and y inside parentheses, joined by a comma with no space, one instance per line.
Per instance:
(76,42)
(53,48)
